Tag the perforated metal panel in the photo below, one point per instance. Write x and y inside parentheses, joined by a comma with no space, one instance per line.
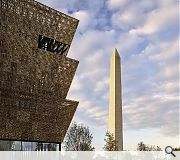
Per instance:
(34,81)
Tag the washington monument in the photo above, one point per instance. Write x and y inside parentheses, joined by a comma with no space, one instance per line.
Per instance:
(115,100)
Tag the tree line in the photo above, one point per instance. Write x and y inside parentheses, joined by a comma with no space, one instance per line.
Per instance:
(79,138)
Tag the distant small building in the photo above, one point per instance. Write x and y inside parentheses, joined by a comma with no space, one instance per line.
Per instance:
(35,73)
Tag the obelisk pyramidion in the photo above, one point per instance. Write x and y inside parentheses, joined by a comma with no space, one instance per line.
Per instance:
(115,100)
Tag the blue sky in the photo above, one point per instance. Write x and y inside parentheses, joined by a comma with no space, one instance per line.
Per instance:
(146,34)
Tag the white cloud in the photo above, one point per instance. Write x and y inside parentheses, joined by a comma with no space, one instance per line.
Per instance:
(170,87)
(88,111)
(102,85)
(169,72)
(159,19)
(127,19)
(116,4)
(152,112)
(134,16)
(155,91)
(165,55)
(75,84)
(92,42)
(55,4)
(84,19)
(161,51)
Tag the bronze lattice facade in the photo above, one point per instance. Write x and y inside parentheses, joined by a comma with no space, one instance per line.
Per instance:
(35,72)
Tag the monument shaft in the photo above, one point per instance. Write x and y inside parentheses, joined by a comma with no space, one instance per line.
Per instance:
(115,101)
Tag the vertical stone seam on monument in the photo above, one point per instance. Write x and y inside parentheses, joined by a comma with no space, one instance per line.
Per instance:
(34,83)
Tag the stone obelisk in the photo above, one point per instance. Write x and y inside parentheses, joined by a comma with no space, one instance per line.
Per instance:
(115,100)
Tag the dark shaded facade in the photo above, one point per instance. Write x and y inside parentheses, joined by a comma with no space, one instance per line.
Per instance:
(6,145)
(35,72)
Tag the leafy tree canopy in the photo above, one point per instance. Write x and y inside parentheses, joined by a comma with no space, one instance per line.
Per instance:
(110,143)
(78,138)
(143,147)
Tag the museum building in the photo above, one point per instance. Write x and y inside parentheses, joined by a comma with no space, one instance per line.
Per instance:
(35,75)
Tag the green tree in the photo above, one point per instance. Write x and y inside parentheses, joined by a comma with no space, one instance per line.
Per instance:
(78,138)
(143,147)
(110,143)
(176,149)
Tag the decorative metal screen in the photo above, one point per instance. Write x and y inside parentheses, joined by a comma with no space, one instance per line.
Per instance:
(35,79)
